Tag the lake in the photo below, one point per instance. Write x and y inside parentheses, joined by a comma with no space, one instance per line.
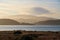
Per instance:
(30,27)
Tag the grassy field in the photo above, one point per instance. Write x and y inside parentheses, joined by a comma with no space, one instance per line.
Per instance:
(29,35)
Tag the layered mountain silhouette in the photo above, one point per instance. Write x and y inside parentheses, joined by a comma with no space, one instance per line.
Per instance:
(49,22)
(29,20)
(8,22)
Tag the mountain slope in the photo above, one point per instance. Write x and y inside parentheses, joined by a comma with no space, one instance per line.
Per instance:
(34,20)
(8,22)
(49,22)
(28,18)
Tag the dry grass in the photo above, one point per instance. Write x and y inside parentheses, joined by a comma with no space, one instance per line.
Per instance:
(29,35)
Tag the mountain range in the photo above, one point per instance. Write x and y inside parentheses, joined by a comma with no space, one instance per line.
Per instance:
(30,20)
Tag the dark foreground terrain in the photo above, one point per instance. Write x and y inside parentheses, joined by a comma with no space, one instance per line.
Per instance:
(29,35)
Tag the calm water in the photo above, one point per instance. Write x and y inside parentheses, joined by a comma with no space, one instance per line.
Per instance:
(30,27)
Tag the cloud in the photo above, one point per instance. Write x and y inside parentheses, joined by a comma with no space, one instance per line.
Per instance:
(29,7)
(7,9)
(38,10)
(10,9)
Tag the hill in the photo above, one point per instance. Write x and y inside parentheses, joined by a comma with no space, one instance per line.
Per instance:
(8,22)
(49,22)
(30,20)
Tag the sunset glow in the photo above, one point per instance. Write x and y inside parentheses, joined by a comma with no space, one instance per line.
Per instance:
(49,8)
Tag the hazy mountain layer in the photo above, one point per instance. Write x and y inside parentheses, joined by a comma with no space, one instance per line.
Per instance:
(49,22)
(8,22)
(29,20)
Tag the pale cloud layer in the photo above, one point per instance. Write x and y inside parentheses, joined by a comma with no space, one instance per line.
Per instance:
(30,7)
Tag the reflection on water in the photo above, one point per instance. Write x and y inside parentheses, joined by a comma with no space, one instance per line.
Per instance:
(30,27)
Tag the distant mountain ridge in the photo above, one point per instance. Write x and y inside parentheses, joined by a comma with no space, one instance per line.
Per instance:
(8,22)
(49,22)
(30,20)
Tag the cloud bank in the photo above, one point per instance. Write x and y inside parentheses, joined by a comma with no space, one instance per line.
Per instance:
(29,7)
(38,10)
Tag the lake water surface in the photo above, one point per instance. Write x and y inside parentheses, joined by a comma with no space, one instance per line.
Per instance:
(30,27)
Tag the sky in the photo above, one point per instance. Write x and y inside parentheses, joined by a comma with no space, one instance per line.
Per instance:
(46,8)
